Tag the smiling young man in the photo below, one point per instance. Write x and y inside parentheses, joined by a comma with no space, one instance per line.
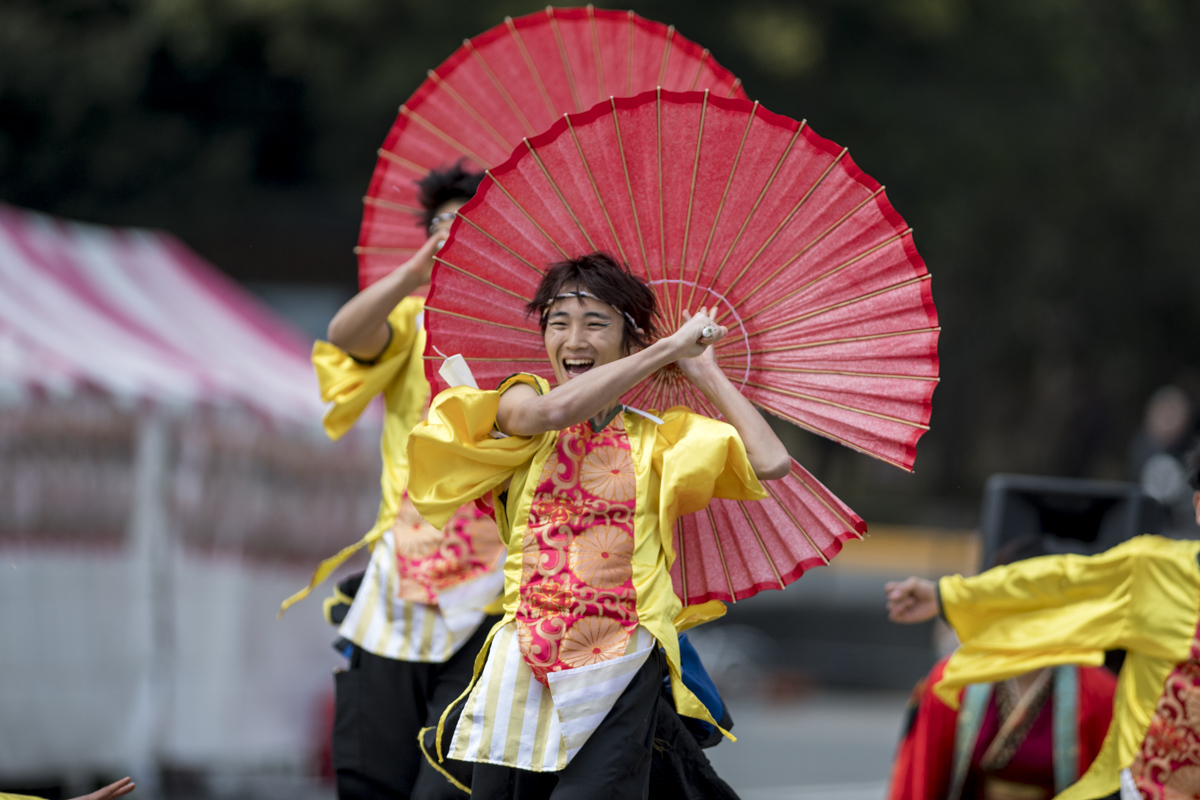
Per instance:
(587,492)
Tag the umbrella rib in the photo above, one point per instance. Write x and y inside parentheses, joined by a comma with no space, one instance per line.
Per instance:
(843,406)
(507,249)
(470,109)
(484,281)
(799,254)
(787,151)
(401,161)
(721,553)
(562,53)
(826,275)
(390,206)
(842,304)
(796,522)
(629,56)
(788,217)
(721,205)
(845,522)
(483,321)
(538,160)
(537,77)
(844,373)
(521,208)
(834,437)
(687,225)
(596,51)
(662,69)
(637,225)
(699,69)
(733,87)
(383,251)
(845,340)
(662,225)
(439,133)
(596,190)
(758,538)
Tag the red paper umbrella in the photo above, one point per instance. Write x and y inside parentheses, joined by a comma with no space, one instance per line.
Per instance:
(715,202)
(510,83)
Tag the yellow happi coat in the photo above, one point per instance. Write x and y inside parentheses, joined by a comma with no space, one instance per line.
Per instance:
(679,467)
(1142,596)
(385,626)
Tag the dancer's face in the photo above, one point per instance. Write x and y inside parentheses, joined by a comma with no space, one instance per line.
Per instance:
(582,333)
(443,217)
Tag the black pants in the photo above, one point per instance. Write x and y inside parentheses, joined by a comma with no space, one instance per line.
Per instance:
(381,705)
(640,744)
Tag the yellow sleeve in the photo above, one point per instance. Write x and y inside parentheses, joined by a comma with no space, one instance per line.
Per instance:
(453,456)
(699,458)
(1141,596)
(4,796)
(350,384)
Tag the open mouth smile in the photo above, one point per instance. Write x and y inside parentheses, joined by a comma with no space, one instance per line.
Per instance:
(577,366)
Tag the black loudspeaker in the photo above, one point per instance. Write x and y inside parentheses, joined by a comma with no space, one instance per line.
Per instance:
(1069,515)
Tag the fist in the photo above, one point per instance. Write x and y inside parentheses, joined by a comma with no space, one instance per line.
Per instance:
(912,600)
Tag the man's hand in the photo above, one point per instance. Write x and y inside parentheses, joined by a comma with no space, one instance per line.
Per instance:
(689,341)
(912,600)
(112,791)
(420,266)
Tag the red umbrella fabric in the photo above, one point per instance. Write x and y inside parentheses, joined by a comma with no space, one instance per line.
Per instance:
(714,201)
(510,83)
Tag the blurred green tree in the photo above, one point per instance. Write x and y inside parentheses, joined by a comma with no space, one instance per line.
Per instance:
(1045,151)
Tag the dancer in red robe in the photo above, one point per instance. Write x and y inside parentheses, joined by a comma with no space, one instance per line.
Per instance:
(977,752)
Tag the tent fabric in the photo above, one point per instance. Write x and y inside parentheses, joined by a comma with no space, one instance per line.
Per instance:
(137,315)
(164,482)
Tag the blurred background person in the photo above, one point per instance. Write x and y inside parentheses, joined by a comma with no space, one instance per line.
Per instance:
(1156,454)
(1142,596)
(415,620)
(1024,738)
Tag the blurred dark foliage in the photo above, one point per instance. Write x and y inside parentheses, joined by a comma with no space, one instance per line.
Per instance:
(1045,151)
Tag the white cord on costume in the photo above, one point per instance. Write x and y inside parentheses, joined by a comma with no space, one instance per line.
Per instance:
(645,414)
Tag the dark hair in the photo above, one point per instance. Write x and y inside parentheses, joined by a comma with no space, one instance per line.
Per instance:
(444,184)
(611,282)
(1191,462)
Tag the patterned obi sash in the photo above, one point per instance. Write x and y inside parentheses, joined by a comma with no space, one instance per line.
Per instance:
(430,561)
(1168,764)
(577,601)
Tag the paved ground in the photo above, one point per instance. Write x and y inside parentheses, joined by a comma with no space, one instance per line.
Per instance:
(836,745)
(826,746)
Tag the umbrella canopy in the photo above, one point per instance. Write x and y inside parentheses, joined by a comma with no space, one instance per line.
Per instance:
(714,201)
(509,83)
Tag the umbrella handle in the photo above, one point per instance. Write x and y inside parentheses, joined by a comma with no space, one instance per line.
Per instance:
(708,332)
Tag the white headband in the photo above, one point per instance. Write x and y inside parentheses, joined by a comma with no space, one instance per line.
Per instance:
(582,293)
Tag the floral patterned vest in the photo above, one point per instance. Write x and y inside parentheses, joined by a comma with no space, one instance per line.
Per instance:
(430,560)
(1168,764)
(577,601)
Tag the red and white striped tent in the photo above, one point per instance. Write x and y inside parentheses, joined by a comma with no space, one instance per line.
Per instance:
(135,314)
(164,483)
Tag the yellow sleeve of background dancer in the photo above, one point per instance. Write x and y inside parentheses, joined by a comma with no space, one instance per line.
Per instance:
(350,384)
(454,456)
(1142,596)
